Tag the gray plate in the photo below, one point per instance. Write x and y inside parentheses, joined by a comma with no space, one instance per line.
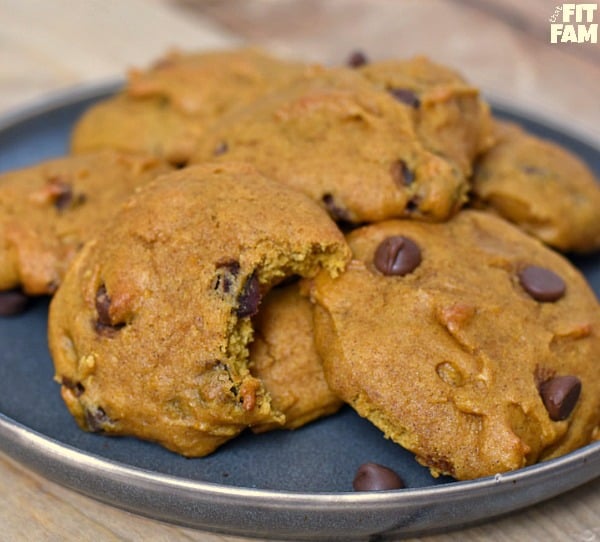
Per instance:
(295,485)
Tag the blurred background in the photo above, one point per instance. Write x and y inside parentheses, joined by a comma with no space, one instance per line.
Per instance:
(502,46)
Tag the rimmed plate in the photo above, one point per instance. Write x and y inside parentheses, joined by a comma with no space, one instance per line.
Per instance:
(295,485)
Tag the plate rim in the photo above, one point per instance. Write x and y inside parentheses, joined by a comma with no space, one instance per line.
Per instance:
(201,505)
(72,465)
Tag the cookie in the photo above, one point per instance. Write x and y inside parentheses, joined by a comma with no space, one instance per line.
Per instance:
(283,356)
(150,125)
(450,116)
(149,331)
(541,187)
(346,144)
(166,108)
(47,211)
(469,343)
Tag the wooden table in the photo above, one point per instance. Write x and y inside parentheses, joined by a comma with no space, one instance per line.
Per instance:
(502,46)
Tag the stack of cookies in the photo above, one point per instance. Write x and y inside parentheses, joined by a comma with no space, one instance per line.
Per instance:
(238,241)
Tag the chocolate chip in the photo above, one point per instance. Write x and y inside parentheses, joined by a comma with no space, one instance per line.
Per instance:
(227,273)
(532,170)
(335,211)
(221,148)
(541,283)
(96,420)
(374,477)
(397,255)
(63,196)
(357,59)
(560,395)
(412,205)
(12,302)
(405,96)
(401,174)
(104,324)
(249,299)
(76,387)
(103,306)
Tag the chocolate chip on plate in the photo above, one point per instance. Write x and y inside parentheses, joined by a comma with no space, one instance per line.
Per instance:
(405,96)
(397,255)
(375,477)
(357,59)
(541,283)
(12,302)
(560,395)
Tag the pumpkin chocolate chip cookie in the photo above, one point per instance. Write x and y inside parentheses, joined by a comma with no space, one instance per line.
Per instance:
(345,143)
(542,187)
(47,212)
(283,356)
(149,331)
(450,116)
(166,109)
(469,343)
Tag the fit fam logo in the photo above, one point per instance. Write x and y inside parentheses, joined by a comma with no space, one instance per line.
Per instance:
(574,23)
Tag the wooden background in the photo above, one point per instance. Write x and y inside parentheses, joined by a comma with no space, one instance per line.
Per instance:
(503,46)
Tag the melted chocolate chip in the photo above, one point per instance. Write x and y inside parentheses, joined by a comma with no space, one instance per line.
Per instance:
(96,420)
(221,148)
(397,255)
(357,59)
(401,174)
(405,96)
(335,211)
(250,298)
(13,302)
(560,395)
(541,283)
(374,477)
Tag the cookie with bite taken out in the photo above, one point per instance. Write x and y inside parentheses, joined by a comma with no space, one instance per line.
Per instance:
(149,331)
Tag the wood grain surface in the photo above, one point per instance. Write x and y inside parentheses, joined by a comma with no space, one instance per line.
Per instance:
(503,46)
